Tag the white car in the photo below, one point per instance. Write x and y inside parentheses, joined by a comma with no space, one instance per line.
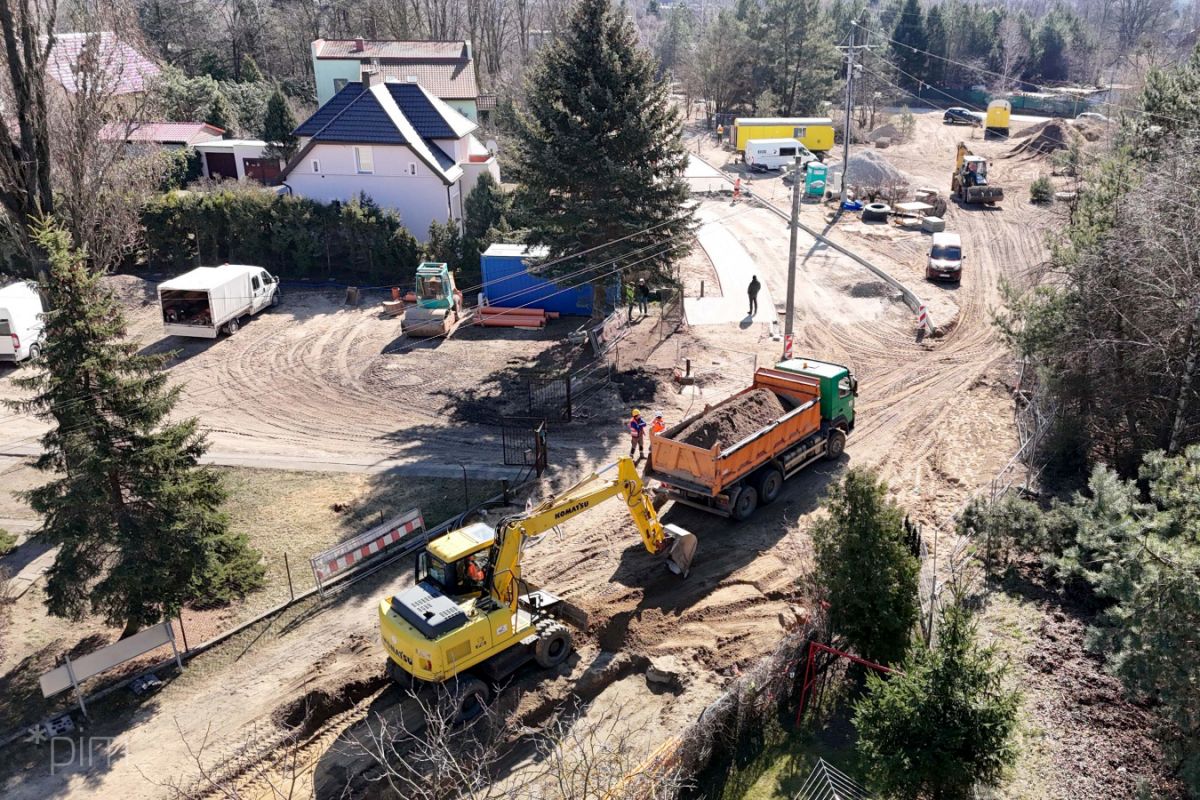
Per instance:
(1093,115)
(20,322)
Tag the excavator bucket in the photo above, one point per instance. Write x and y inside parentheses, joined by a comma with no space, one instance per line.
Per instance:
(681,549)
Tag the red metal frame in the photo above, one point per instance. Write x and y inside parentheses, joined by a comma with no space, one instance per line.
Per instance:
(810,677)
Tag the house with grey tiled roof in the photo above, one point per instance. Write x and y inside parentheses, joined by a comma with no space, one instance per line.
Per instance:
(446,69)
(395,142)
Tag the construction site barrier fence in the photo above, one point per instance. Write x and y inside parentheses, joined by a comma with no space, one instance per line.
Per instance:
(523,440)
(357,552)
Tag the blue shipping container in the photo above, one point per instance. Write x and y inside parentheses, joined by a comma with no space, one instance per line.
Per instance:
(508,284)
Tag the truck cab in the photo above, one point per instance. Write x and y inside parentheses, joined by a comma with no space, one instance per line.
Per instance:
(838,389)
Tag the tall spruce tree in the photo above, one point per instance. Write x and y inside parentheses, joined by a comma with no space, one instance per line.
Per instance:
(137,521)
(908,42)
(598,155)
(278,124)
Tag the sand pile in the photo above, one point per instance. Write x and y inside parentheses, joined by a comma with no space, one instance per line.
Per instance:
(733,421)
(888,131)
(1050,136)
(1092,130)
(869,169)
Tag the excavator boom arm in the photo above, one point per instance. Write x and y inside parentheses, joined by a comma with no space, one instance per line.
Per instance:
(583,496)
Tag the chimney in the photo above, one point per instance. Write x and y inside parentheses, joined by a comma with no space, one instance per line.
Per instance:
(359,45)
(371,77)
(467,50)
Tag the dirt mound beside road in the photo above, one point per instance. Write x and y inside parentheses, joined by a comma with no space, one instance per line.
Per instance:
(733,421)
(1044,138)
(869,169)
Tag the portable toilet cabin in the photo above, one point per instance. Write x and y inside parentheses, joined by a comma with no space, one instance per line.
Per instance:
(509,283)
(998,113)
(816,177)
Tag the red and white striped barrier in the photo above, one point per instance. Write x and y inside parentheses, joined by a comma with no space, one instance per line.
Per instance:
(923,320)
(349,554)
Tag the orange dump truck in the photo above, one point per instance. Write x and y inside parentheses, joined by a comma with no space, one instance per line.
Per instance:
(810,419)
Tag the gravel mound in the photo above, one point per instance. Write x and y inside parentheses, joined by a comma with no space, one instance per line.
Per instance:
(733,421)
(869,169)
(888,131)
(869,289)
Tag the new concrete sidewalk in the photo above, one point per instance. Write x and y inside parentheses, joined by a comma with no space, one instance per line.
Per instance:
(734,268)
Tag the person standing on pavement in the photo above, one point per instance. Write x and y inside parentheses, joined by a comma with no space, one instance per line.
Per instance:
(637,435)
(752,290)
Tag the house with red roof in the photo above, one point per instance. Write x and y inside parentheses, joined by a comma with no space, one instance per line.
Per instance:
(167,135)
(125,71)
(395,142)
(445,68)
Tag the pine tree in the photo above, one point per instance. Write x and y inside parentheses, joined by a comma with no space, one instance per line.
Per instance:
(942,725)
(938,45)
(864,564)
(220,113)
(483,213)
(137,521)
(278,124)
(249,72)
(909,40)
(598,155)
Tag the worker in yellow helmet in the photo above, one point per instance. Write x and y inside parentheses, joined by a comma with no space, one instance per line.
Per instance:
(637,434)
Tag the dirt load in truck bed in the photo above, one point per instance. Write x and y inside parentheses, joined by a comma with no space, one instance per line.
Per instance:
(733,421)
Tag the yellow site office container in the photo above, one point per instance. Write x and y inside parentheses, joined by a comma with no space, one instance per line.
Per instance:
(816,133)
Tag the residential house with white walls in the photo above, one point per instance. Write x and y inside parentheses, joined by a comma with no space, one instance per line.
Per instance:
(396,143)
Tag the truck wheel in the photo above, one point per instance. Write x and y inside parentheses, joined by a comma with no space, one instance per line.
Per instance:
(231,327)
(34,352)
(770,484)
(276,298)
(553,644)
(835,445)
(469,697)
(744,503)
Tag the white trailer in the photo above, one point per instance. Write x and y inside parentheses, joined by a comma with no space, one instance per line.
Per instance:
(20,322)
(207,300)
(765,154)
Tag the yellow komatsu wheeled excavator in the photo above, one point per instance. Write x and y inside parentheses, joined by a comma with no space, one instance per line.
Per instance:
(471,619)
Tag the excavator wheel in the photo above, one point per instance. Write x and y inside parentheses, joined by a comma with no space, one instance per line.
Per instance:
(553,644)
(468,697)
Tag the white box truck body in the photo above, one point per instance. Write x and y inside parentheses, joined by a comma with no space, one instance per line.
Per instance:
(207,300)
(767,154)
(20,321)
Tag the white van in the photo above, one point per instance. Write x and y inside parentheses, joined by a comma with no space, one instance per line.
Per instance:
(765,154)
(20,322)
(945,258)
(209,300)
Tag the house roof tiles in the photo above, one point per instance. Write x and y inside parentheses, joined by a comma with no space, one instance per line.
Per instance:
(349,48)
(127,70)
(186,133)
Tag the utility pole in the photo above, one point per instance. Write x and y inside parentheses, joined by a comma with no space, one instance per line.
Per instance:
(797,178)
(849,109)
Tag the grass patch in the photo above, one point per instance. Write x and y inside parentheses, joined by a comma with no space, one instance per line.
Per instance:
(8,542)
(303,513)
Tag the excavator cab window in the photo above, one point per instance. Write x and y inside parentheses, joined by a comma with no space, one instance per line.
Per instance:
(463,576)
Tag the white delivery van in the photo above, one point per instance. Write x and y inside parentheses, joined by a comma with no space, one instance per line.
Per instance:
(765,154)
(945,258)
(207,300)
(20,322)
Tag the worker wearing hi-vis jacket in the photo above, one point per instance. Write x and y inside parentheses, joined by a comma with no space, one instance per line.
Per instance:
(658,426)
(637,434)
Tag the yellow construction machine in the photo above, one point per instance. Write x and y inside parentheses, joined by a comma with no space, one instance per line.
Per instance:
(969,183)
(471,620)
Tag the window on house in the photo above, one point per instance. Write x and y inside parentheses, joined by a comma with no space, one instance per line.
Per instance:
(412,168)
(316,165)
(364,160)
(339,84)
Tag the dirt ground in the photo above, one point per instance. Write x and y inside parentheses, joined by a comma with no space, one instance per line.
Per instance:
(934,416)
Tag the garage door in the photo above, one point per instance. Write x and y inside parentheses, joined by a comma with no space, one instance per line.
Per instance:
(264,170)
(221,165)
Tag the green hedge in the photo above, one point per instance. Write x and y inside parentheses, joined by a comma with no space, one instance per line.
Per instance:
(294,237)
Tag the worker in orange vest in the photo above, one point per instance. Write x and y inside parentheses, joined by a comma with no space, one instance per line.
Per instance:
(658,426)
(737,190)
(720,133)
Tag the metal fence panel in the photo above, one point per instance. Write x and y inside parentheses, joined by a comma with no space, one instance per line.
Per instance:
(523,440)
(550,398)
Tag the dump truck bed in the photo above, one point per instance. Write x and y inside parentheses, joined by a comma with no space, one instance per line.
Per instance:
(710,471)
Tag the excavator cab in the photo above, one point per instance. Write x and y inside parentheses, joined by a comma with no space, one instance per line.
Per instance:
(457,563)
